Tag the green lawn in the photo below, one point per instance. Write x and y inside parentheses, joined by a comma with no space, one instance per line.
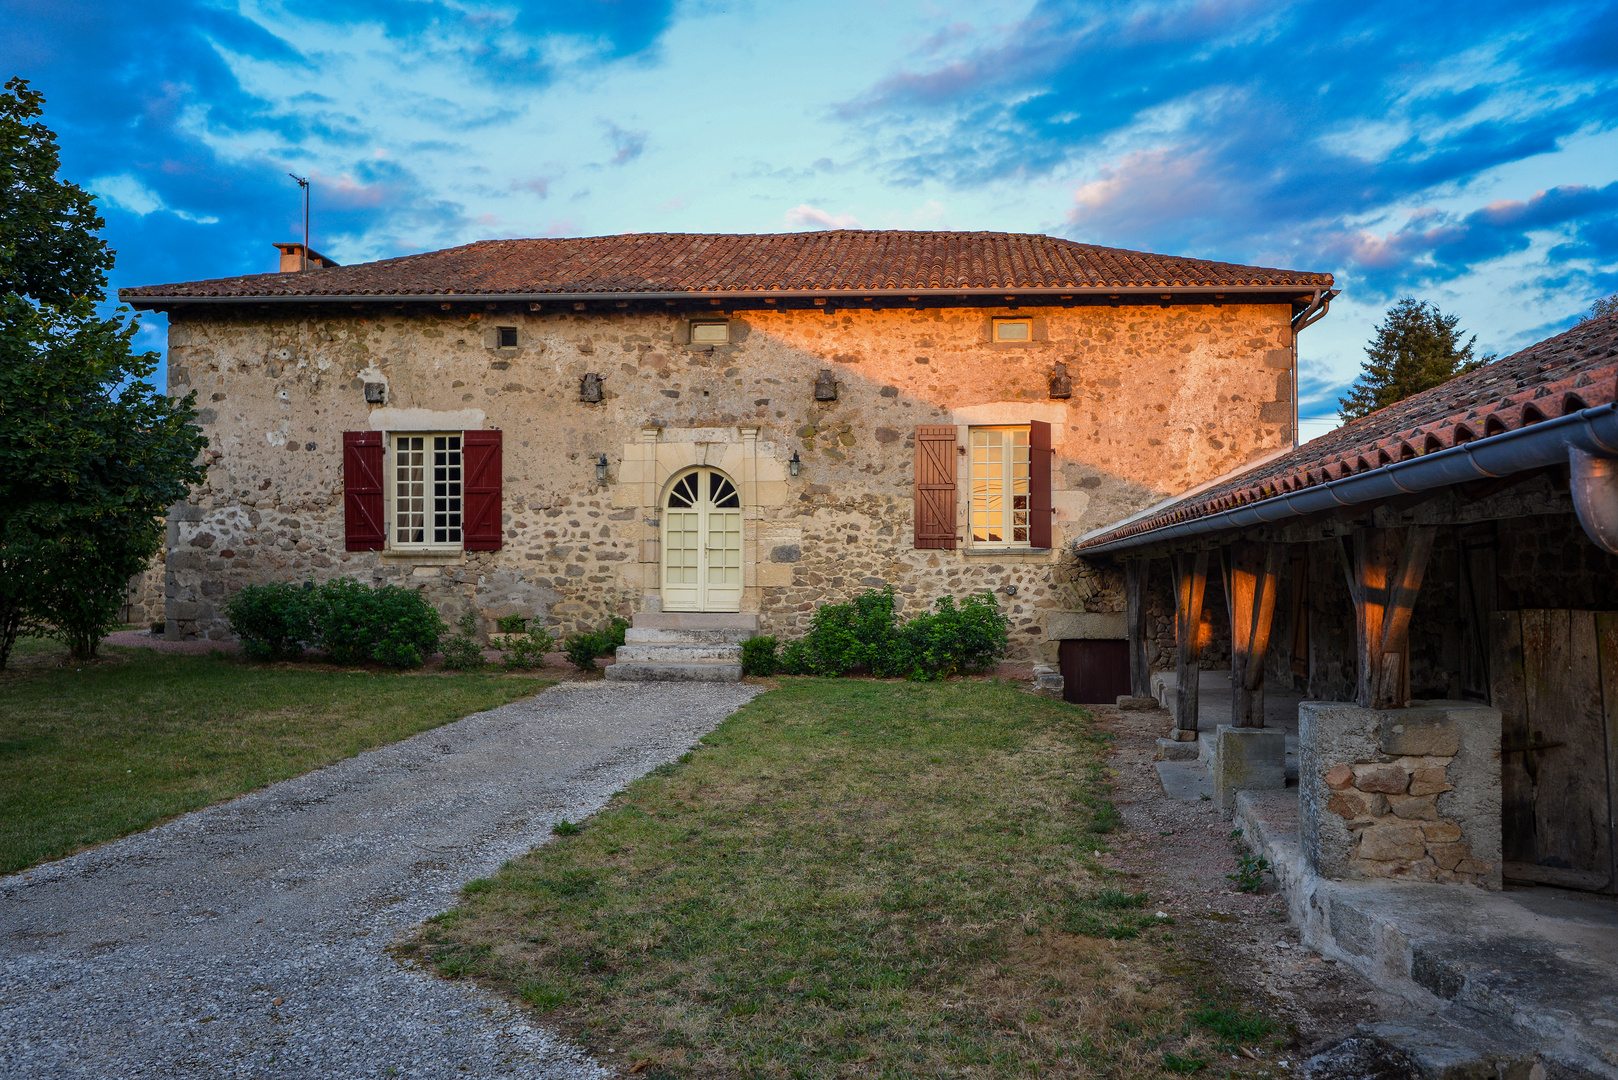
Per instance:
(113,747)
(850,878)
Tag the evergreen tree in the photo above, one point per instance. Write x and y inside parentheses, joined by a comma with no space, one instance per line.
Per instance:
(1416,348)
(91,454)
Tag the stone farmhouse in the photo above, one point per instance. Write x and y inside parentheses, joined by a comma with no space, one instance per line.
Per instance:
(718,433)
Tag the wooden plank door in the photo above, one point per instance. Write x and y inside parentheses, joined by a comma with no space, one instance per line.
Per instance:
(1553,679)
(1094,672)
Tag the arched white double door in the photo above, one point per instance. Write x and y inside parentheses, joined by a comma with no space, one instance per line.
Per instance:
(702,543)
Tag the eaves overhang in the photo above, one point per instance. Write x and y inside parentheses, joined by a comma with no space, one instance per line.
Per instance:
(1246,293)
(1549,442)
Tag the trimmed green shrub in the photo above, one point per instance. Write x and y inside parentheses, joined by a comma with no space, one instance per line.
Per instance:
(527,651)
(582,648)
(843,637)
(758,656)
(387,624)
(511,624)
(865,634)
(462,652)
(273,621)
(613,636)
(952,640)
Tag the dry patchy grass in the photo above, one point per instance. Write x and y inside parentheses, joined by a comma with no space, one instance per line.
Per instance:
(851,878)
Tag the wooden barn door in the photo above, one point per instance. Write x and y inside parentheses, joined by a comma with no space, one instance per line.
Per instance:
(1094,672)
(1554,676)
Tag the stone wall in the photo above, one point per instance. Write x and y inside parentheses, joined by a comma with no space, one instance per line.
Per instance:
(145,601)
(1410,794)
(1163,398)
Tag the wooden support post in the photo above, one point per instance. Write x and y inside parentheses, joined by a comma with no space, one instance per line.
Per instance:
(1251,574)
(1140,676)
(1384,573)
(1190,582)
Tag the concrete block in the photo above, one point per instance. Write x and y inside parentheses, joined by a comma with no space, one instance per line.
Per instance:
(1175,750)
(1136,703)
(1247,759)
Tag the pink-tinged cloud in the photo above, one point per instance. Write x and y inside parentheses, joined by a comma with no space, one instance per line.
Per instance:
(539,185)
(349,194)
(1147,188)
(812,217)
(676,203)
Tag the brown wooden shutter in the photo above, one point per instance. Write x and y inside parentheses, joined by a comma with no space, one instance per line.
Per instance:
(362,491)
(1040,456)
(935,487)
(480,506)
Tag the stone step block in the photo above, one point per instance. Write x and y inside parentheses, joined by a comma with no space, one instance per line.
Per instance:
(727,635)
(706,671)
(1175,750)
(678,654)
(694,620)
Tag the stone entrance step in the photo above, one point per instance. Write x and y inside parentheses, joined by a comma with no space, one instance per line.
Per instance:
(683,646)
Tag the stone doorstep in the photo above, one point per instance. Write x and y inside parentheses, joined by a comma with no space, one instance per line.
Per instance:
(694,620)
(678,654)
(729,635)
(1500,987)
(699,671)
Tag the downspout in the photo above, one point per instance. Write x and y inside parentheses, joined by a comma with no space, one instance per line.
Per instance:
(1317,309)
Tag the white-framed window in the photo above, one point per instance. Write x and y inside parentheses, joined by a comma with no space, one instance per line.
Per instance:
(999,463)
(426,483)
(710,332)
(1016,330)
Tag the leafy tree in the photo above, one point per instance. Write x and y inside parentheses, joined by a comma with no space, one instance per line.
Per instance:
(91,454)
(1416,348)
(1607,305)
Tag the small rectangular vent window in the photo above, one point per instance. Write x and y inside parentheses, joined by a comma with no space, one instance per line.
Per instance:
(507,337)
(1013,329)
(710,333)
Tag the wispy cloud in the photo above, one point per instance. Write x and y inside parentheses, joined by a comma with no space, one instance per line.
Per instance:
(812,217)
(626,145)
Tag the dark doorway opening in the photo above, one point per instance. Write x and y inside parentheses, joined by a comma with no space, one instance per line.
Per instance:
(1094,672)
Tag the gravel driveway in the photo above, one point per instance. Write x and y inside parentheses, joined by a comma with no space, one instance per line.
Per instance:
(248,939)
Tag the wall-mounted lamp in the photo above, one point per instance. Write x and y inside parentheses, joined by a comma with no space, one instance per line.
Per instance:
(826,386)
(590,387)
(601,468)
(1011,590)
(795,464)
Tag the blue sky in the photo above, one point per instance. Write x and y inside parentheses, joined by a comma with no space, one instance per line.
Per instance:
(1464,153)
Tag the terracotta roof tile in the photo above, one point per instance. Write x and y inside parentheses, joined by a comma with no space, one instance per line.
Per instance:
(1564,374)
(811,262)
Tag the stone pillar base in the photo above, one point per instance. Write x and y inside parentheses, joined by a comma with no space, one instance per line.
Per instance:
(1048,681)
(1246,759)
(1410,794)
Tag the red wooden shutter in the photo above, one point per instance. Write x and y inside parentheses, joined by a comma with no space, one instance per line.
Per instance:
(480,507)
(1040,456)
(935,487)
(362,491)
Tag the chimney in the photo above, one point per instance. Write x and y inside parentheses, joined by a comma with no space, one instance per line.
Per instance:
(292,258)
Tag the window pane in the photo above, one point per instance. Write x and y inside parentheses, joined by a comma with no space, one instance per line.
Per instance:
(710,333)
(1013,330)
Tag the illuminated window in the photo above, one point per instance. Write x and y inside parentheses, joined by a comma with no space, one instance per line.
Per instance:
(1014,329)
(427,490)
(1000,486)
(710,333)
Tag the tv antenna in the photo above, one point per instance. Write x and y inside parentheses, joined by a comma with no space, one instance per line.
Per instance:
(303,183)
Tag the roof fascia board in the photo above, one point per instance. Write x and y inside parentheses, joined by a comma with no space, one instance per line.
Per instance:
(1593,430)
(1302,292)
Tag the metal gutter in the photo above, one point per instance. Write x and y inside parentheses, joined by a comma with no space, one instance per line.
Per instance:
(1075,291)
(1593,431)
